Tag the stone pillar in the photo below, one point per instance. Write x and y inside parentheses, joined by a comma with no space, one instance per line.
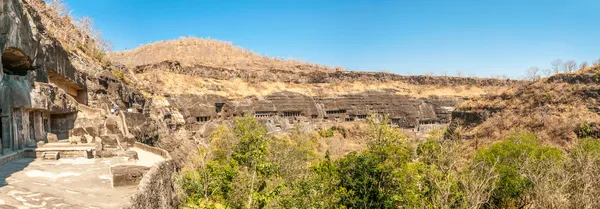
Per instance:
(2,135)
(28,134)
(14,130)
(6,136)
(19,135)
(38,124)
(1,66)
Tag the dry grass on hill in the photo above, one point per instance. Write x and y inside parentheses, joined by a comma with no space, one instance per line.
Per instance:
(76,35)
(209,52)
(554,108)
(158,83)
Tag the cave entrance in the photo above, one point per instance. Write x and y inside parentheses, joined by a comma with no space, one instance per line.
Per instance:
(61,124)
(219,107)
(15,62)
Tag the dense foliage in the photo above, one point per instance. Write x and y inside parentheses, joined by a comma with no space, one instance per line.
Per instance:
(245,168)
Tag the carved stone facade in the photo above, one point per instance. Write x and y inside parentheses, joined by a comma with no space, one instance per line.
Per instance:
(37,81)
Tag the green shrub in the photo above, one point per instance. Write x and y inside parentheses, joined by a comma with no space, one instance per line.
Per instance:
(584,130)
(509,159)
(586,147)
(326,133)
(119,74)
(340,129)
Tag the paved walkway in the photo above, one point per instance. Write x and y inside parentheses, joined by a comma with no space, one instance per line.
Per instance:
(66,183)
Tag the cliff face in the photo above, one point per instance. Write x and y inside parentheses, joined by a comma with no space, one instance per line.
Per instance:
(405,111)
(312,76)
(23,34)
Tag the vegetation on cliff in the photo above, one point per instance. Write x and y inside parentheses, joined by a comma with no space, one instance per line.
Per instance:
(554,108)
(244,168)
(76,34)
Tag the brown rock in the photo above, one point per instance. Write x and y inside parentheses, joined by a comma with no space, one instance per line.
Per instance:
(52,138)
(125,175)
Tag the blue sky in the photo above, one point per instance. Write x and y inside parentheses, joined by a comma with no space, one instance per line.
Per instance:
(476,37)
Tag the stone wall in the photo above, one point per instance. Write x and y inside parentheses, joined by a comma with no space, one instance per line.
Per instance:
(156,190)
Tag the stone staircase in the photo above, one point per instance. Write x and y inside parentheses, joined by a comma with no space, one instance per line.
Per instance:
(96,132)
(119,137)
(51,155)
(55,151)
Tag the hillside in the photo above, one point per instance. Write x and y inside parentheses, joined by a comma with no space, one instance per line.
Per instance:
(207,66)
(207,52)
(559,109)
(187,79)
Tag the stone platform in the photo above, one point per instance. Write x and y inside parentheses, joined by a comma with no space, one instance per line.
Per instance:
(67,182)
(66,150)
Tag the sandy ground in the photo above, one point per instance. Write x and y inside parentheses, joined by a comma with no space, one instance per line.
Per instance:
(66,183)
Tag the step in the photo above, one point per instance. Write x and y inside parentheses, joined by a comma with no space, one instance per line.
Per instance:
(67,145)
(53,155)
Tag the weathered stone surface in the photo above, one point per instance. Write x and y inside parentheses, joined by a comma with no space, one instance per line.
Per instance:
(125,175)
(75,139)
(112,126)
(128,141)
(87,139)
(52,138)
(53,155)
(110,140)
(403,110)
(132,155)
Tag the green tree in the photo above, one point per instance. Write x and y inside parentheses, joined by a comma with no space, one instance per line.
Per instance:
(511,159)
(251,154)
(207,180)
(382,176)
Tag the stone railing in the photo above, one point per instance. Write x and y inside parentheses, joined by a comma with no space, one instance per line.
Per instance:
(156,190)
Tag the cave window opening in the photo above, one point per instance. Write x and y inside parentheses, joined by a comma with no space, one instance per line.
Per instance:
(219,107)
(263,114)
(202,118)
(335,112)
(361,116)
(292,114)
(15,62)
